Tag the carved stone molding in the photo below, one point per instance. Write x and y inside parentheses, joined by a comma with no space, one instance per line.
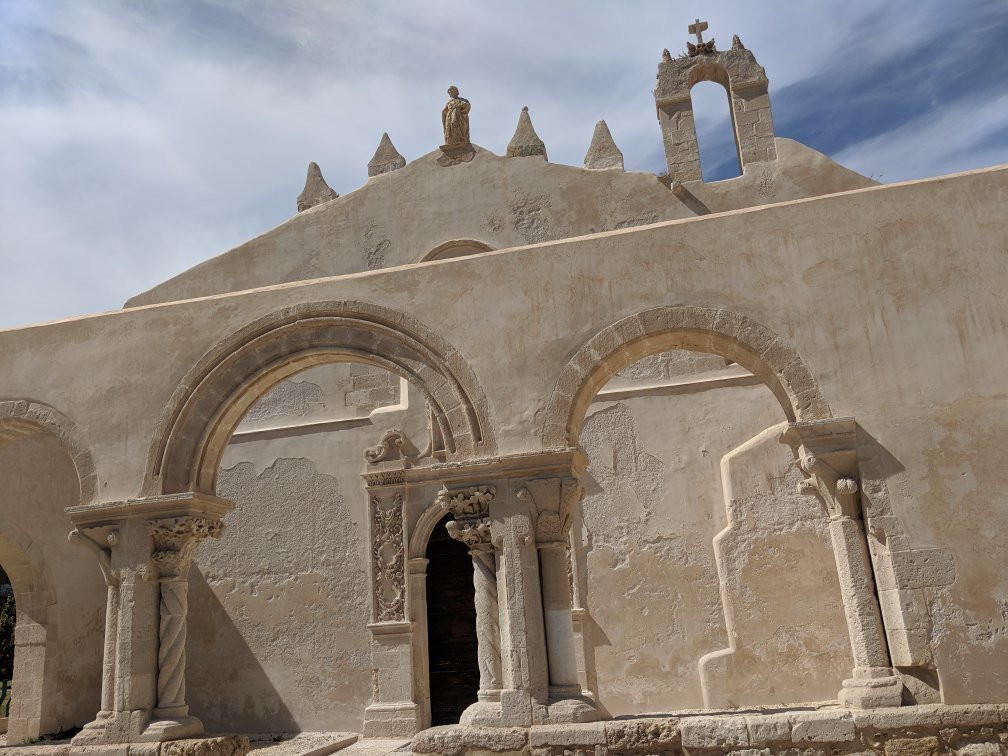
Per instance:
(388,560)
(552,500)
(175,542)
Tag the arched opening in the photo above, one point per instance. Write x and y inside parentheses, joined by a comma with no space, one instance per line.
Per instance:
(8,617)
(451,627)
(58,591)
(708,547)
(456,248)
(282,418)
(715,130)
(288,580)
(218,392)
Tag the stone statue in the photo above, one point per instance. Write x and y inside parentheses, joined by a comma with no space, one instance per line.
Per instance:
(455,119)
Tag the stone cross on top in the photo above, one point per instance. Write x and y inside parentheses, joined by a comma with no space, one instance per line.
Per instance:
(698,28)
(701,47)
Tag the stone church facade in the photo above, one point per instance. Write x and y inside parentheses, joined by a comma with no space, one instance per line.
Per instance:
(501,455)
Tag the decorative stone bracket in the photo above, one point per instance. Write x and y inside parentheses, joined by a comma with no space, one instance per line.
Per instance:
(827,453)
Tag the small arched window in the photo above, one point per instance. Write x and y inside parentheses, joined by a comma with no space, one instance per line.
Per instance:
(712,117)
(456,248)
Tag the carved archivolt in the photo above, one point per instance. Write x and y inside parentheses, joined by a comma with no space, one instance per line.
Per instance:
(230,378)
(388,560)
(722,332)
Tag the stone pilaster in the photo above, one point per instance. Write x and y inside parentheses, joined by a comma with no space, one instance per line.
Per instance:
(827,454)
(553,500)
(393,711)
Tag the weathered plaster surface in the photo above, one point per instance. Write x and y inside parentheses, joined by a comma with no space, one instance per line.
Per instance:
(58,590)
(653,506)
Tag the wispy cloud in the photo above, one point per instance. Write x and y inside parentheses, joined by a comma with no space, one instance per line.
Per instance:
(141,138)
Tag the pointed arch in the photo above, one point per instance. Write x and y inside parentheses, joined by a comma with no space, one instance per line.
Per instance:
(702,329)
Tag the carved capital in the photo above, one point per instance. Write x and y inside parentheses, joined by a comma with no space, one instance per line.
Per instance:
(467,502)
(551,501)
(827,454)
(473,532)
(471,507)
(175,541)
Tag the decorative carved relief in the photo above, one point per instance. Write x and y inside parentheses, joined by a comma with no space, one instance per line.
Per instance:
(388,559)
(175,542)
(467,502)
(391,441)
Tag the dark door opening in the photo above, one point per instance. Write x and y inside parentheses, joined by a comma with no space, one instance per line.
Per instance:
(451,627)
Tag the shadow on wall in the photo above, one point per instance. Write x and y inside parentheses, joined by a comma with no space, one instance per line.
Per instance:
(238,668)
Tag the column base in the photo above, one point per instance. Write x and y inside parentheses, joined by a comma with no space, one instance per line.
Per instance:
(160,730)
(568,705)
(112,727)
(391,720)
(871,692)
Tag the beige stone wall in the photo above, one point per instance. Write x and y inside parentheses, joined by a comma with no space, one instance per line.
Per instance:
(279,605)
(653,507)
(59,592)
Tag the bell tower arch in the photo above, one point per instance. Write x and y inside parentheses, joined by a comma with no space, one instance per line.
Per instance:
(747,85)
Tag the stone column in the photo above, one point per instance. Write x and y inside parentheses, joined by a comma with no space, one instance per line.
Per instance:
(150,547)
(828,455)
(553,500)
(421,657)
(471,526)
(175,541)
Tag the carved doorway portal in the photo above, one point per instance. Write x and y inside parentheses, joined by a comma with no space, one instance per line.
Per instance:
(451,627)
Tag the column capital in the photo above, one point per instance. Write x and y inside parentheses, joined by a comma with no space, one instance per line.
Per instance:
(471,507)
(827,455)
(175,541)
(551,502)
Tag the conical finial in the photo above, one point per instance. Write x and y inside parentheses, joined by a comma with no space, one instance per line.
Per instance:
(666,56)
(316,190)
(736,43)
(603,153)
(525,141)
(386,158)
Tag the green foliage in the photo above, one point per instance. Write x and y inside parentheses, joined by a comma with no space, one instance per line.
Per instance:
(8,615)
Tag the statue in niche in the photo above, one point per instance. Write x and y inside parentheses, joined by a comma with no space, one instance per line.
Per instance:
(455,120)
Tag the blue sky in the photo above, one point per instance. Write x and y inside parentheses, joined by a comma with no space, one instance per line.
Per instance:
(137,139)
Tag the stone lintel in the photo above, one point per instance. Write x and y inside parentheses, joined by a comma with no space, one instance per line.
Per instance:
(186,504)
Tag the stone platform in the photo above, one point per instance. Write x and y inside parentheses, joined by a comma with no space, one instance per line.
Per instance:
(969,730)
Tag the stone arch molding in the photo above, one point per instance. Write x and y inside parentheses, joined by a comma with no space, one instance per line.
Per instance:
(215,394)
(22,417)
(722,332)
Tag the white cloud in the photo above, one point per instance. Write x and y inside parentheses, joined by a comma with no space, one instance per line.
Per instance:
(141,138)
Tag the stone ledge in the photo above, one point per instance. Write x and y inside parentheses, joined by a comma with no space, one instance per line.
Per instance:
(966,730)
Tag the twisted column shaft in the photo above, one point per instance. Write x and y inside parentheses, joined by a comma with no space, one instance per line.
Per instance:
(171,649)
(487,617)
